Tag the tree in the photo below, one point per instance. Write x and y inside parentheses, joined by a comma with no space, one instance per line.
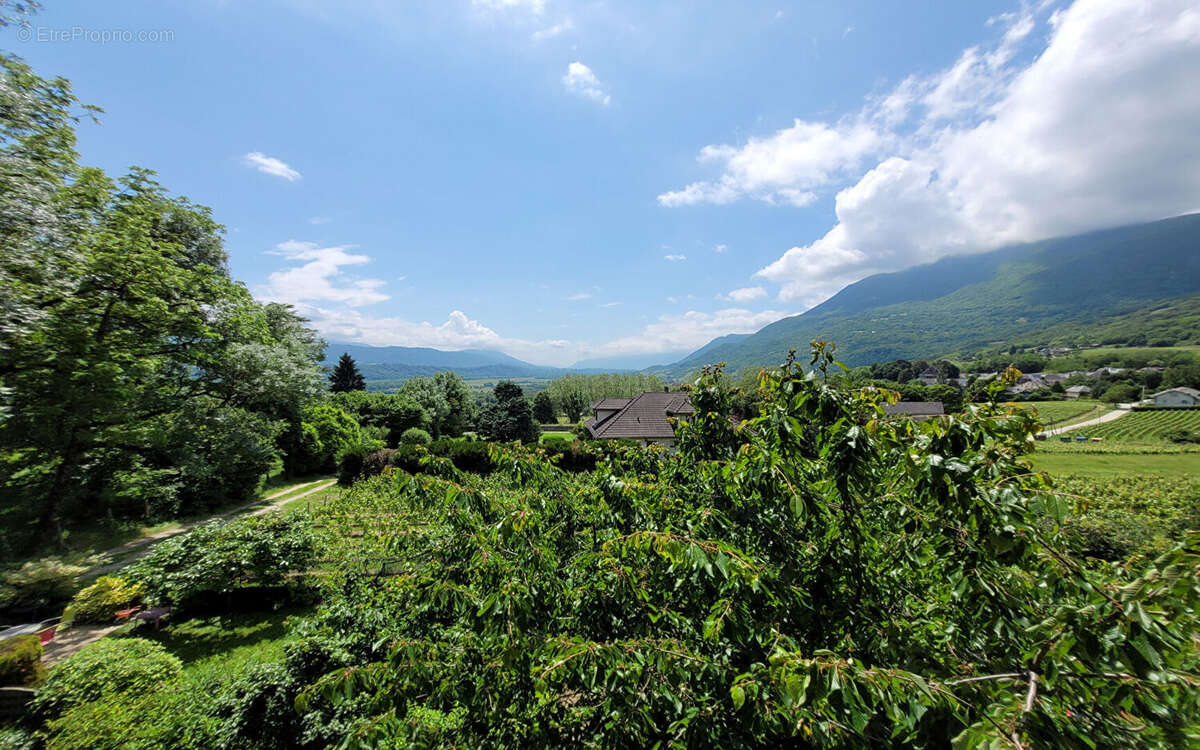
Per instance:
(573,405)
(346,377)
(543,408)
(122,335)
(510,417)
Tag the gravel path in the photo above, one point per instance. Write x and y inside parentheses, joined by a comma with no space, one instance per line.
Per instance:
(141,547)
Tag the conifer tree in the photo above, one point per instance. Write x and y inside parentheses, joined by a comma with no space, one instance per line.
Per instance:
(346,377)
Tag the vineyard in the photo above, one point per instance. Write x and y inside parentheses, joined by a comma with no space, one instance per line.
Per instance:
(1053,413)
(1146,426)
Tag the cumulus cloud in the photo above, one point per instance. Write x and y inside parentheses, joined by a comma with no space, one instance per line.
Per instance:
(581,81)
(1087,125)
(745,294)
(674,257)
(689,330)
(270,165)
(783,168)
(319,277)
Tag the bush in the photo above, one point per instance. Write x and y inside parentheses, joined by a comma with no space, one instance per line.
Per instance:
(39,584)
(1182,436)
(219,556)
(415,436)
(21,661)
(109,666)
(97,603)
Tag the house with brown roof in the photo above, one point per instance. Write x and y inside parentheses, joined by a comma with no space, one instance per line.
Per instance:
(643,417)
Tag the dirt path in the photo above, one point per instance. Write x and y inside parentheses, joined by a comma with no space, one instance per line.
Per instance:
(141,547)
(1107,416)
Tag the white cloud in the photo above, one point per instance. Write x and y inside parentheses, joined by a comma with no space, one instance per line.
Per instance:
(579,297)
(746,294)
(319,277)
(783,168)
(722,248)
(581,81)
(1036,135)
(610,304)
(689,330)
(550,32)
(319,220)
(674,257)
(534,6)
(270,165)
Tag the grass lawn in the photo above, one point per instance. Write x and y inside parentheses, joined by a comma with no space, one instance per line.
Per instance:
(565,438)
(230,641)
(1112,464)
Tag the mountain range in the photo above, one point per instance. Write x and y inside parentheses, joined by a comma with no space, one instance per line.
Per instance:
(965,303)
(1028,292)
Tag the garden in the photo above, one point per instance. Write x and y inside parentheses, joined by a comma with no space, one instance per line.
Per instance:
(817,575)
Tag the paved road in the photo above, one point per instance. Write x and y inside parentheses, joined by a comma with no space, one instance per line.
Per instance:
(1106,417)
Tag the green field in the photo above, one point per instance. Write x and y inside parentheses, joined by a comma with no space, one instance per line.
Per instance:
(1146,426)
(1057,413)
(558,437)
(1096,463)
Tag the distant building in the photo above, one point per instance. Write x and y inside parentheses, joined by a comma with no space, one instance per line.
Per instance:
(930,376)
(1078,391)
(642,418)
(1177,397)
(917,410)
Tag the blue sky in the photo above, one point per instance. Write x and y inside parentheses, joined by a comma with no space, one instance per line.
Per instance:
(562,179)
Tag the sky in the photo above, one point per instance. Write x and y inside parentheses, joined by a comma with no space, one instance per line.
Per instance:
(572,179)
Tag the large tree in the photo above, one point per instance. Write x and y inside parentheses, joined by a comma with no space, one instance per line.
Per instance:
(543,408)
(346,377)
(127,353)
(510,417)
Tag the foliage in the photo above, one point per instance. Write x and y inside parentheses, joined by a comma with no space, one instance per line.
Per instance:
(122,334)
(220,556)
(543,408)
(346,377)
(319,441)
(818,577)
(415,436)
(39,584)
(447,400)
(573,393)
(391,411)
(21,660)
(1147,426)
(510,417)
(1116,517)
(97,603)
(107,667)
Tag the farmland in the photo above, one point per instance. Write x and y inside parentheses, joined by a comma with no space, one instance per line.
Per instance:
(1057,413)
(1147,426)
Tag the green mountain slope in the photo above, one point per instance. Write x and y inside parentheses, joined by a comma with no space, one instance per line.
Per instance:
(968,302)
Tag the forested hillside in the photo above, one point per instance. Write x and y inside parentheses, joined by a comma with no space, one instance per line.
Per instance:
(1065,285)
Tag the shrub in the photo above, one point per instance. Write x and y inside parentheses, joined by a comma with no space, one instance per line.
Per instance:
(39,584)
(97,603)
(1182,436)
(415,436)
(220,556)
(21,661)
(109,666)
